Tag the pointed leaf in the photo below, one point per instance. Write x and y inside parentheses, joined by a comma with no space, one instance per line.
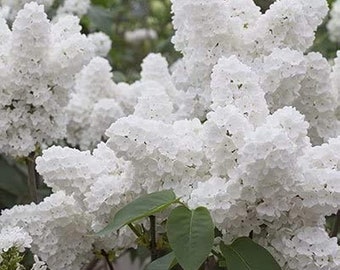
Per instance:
(164,263)
(245,254)
(191,236)
(142,207)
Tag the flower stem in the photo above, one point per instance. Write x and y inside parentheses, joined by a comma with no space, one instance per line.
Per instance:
(153,244)
(32,180)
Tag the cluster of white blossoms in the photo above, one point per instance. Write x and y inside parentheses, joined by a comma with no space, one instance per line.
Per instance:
(88,190)
(97,102)
(39,62)
(246,124)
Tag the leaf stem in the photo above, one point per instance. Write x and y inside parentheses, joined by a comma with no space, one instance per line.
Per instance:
(32,180)
(153,244)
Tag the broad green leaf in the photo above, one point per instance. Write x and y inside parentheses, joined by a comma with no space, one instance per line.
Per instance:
(244,254)
(191,236)
(140,208)
(164,263)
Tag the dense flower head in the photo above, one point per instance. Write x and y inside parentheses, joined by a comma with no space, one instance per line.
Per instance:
(39,60)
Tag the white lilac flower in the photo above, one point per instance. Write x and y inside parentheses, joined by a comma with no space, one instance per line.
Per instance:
(38,63)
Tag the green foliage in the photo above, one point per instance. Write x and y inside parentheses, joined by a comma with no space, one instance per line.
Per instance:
(13,186)
(11,259)
(191,236)
(244,254)
(140,208)
(164,263)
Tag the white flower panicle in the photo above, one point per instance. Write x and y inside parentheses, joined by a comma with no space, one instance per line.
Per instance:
(60,220)
(94,105)
(38,62)
(89,190)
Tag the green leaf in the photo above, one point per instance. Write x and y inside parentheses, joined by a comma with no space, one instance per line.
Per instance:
(164,263)
(244,254)
(140,208)
(191,236)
